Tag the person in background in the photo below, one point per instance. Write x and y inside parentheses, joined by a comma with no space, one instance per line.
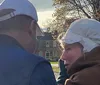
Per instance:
(81,52)
(18,31)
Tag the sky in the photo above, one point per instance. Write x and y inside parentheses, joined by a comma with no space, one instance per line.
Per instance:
(44,10)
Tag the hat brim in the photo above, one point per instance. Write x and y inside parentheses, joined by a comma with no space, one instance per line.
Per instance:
(70,38)
(39,31)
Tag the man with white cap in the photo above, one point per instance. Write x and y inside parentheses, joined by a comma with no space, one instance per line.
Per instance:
(81,53)
(18,31)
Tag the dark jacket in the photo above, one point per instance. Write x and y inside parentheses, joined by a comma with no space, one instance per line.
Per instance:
(63,73)
(18,67)
(86,70)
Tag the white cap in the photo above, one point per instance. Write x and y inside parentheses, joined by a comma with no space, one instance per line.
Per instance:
(84,31)
(11,8)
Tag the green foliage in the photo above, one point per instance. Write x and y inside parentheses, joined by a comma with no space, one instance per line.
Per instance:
(53,25)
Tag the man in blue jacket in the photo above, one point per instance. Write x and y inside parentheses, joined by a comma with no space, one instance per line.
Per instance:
(18,31)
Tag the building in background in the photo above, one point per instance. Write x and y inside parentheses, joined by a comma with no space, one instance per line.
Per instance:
(48,47)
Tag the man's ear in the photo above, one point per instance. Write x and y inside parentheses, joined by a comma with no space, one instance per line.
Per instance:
(31,29)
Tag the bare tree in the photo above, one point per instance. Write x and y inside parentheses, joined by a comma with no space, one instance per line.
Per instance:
(74,8)
(81,8)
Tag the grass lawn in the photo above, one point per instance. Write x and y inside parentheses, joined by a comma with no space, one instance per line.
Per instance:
(54,62)
(55,69)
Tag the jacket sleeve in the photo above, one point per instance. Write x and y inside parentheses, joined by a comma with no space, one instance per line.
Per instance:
(77,80)
(43,75)
(88,76)
(63,73)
